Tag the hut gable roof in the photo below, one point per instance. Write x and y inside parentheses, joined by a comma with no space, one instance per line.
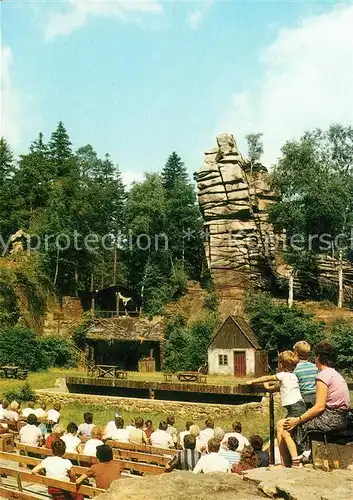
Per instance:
(235,333)
(126,329)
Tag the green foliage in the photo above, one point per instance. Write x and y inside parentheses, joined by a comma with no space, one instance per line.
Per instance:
(79,335)
(342,339)
(255,147)
(212,302)
(186,346)
(24,393)
(20,346)
(178,281)
(279,327)
(57,350)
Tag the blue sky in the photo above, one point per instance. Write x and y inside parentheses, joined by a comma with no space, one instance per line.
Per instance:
(139,80)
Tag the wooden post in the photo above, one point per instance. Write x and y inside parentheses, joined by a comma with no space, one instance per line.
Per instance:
(272,429)
(92,296)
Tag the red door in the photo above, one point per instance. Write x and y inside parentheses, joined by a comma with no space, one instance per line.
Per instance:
(239,364)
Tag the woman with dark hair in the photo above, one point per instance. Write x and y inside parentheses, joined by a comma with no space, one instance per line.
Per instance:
(330,410)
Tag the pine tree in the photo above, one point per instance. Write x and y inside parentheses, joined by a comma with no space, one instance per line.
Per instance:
(173,171)
(6,161)
(60,152)
(38,146)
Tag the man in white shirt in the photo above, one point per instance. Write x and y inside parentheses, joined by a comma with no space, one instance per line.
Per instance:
(161,438)
(56,467)
(29,433)
(237,433)
(115,430)
(54,414)
(30,409)
(41,412)
(85,430)
(70,438)
(182,434)
(207,433)
(213,461)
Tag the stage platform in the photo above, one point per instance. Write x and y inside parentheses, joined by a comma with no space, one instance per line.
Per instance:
(168,391)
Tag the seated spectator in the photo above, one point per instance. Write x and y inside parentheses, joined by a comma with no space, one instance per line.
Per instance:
(137,434)
(207,433)
(91,445)
(105,471)
(11,413)
(231,453)
(219,433)
(53,416)
(148,428)
(56,433)
(41,412)
(195,431)
(115,430)
(1,409)
(5,409)
(70,438)
(237,432)
(182,434)
(131,426)
(161,438)
(57,467)
(212,461)
(85,430)
(187,458)
(171,429)
(28,410)
(248,460)
(29,433)
(257,443)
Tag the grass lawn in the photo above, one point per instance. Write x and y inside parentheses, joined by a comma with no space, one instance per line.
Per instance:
(253,422)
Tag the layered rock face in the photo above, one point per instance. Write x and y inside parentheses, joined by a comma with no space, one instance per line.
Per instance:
(234,198)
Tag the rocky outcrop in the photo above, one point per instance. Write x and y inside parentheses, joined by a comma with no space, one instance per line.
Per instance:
(234,198)
(293,484)
(182,486)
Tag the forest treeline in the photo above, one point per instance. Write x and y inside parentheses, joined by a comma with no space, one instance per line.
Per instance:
(90,231)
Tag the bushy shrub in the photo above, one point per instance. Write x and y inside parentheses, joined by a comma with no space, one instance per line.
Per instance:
(212,302)
(178,282)
(57,350)
(19,346)
(342,339)
(22,347)
(279,327)
(186,347)
(24,393)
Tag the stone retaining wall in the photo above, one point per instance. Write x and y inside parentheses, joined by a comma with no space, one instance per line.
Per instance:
(196,411)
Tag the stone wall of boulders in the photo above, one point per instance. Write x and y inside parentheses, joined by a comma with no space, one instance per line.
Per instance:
(196,411)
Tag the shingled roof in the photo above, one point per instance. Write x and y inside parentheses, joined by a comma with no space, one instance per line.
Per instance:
(126,329)
(225,335)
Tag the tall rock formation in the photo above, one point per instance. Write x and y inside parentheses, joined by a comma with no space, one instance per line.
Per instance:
(234,198)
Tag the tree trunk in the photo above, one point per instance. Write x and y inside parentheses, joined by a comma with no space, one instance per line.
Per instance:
(340,282)
(291,290)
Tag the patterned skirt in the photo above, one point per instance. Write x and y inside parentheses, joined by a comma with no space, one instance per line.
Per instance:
(332,419)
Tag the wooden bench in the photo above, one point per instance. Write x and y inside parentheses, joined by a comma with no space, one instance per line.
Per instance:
(192,377)
(86,461)
(22,476)
(143,448)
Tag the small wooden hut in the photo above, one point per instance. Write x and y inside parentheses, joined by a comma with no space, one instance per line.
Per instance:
(235,350)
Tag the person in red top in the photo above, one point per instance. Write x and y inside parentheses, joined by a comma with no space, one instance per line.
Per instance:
(248,460)
(105,471)
(56,433)
(148,428)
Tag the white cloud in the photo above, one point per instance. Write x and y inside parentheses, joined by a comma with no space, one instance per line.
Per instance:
(197,15)
(130,177)
(307,83)
(10,100)
(79,11)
